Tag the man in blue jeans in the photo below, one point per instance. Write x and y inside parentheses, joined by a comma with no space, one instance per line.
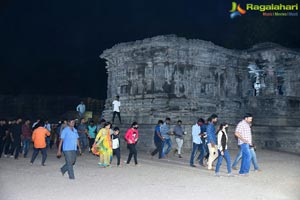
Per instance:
(82,133)
(165,133)
(197,143)
(253,159)
(244,135)
(69,142)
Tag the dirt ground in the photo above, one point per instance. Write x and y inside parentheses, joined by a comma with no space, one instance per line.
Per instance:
(170,178)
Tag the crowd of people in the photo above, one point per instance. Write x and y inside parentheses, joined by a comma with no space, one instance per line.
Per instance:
(212,143)
(76,137)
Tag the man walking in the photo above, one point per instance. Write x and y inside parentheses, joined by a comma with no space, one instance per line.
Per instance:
(39,142)
(158,140)
(178,132)
(82,132)
(26,135)
(196,135)
(212,140)
(244,135)
(69,141)
(165,133)
(16,132)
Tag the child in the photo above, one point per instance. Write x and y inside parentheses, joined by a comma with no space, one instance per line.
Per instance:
(115,140)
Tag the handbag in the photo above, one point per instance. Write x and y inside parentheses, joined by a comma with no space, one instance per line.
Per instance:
(95,150)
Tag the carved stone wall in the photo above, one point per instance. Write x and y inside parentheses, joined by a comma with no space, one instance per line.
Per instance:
(186,79)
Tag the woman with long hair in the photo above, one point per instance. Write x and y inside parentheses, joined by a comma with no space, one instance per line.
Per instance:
(223,149)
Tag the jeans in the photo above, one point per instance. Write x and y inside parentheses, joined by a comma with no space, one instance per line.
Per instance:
(132,152)
(36,152)
(237,158)
(26,144)
(158,149)
(227,158)
(253,158)
(70,157)
(83,141)
(169,143)
(48,141)
(16,146)
(246,158)
(179,142)
(196,147)
(81,115)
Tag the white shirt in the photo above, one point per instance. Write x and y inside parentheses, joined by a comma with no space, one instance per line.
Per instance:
(116,105)
(196,130)
(220,133)
(80,108)
(48,127)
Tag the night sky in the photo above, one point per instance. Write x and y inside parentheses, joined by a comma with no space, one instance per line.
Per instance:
(52,47)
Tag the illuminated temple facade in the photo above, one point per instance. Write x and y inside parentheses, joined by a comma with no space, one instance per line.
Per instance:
(187,79)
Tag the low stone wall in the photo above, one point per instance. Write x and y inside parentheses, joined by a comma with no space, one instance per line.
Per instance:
(44,106)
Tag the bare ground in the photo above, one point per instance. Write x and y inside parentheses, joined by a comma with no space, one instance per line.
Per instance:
(171,178)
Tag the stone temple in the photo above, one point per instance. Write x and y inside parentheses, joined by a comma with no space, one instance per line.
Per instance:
(187,79)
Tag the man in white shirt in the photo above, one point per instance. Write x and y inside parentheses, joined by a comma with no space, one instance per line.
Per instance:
(116,109)
(81,109)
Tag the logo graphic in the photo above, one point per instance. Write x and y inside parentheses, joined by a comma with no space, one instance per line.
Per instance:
(236,10)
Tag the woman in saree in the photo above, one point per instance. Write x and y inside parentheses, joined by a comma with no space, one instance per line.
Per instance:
(103,143)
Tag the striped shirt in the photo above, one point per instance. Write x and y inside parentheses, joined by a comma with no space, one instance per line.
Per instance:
(245,130)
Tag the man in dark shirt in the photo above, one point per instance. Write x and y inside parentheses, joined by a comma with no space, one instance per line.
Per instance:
(158,140)
(16,132)
(3,130)
(82,132)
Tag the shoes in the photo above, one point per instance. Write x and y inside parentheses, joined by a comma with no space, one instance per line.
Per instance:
(192,165)
(62,173)
(230,175)
(203,165)
(11,156)
(103,165)
(217,174)
(43,164)
(234,168)
(175,151)
(179,156)
(244,175)
(257,170)
(5,156)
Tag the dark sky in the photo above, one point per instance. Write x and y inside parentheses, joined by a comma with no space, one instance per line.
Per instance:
(53,46)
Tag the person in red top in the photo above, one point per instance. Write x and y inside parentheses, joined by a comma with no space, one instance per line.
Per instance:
(39,142)
(131,137)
